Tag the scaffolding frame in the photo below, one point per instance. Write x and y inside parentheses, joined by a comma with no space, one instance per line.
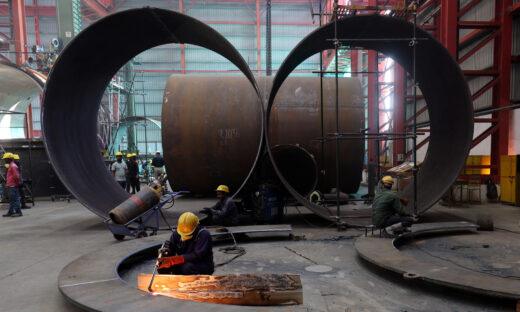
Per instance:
(396,12)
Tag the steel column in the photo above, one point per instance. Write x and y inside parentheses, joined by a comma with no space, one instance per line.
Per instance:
(20,30)
(449,30)
(501,92)
(399,113)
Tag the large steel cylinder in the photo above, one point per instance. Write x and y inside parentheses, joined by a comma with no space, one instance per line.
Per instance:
(210,127)
(138,203)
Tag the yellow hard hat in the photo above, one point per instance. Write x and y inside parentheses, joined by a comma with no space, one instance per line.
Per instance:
(119,154)
(16,157)
(222,188)
(187,224)
(388,180)
(7,155)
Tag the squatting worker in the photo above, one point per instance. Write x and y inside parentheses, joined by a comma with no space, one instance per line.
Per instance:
(388,210)
(189,250)
(119,170)
(157,164)
(224,212)
(12,183)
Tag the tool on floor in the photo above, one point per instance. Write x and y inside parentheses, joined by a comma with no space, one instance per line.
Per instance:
(161,250)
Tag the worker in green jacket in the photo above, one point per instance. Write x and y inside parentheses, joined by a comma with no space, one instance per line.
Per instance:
(388,210)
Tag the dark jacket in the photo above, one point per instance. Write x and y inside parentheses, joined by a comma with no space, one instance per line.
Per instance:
(133,169)
(386,204)
(198,249)
(226,210)
(158,161)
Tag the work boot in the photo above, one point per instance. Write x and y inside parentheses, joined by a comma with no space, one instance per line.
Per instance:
(7,214)
(16,214)
(394,229)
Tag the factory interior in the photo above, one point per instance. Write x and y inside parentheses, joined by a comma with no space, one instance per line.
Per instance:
(260,155)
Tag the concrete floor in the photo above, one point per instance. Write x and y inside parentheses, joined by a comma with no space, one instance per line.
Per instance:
(35,248)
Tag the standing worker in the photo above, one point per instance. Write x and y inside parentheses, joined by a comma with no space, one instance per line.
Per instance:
(157,164)
(12,183)
(224,212)
(16,159)
(133,174)
(189,250)
(119,170)
(388,210)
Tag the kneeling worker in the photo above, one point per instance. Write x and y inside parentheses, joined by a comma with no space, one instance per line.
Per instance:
(388,210)
(224,212)
(189,251)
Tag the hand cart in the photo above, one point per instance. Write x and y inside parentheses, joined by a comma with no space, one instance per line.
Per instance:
(138,226)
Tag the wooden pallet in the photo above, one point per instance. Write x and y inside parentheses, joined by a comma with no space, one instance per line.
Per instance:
(236,289)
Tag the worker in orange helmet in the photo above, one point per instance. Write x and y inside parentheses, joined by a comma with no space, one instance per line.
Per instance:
(189,250)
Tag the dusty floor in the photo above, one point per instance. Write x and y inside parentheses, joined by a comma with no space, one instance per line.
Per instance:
(35,248)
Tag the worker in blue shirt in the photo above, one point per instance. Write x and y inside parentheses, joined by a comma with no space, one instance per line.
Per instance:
(224,212)
(189,250)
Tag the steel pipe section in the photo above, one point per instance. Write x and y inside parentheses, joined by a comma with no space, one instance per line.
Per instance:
(440,79)
(19,86)
(77,81)
(212,125)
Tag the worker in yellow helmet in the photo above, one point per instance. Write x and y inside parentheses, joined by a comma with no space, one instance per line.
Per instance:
(388,210)
(189,250)
(224,212)
(12,183)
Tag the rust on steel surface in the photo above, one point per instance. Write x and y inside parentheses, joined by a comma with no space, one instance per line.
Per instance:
(79,78)
(441,82)
(210,127)
(237,289)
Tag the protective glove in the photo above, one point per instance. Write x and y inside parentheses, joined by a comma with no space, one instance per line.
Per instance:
(166,262)
(404,200)
(206,210)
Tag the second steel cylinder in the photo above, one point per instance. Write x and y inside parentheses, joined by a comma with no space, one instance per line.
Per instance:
(211,128)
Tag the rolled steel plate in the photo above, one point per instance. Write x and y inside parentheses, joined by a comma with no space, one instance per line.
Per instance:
(19,86)
(79,77)
(212,122)
(441,82)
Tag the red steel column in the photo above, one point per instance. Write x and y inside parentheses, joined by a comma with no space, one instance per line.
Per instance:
(20,30)
(501,92)
(449,30)
(399,112)
(36,23)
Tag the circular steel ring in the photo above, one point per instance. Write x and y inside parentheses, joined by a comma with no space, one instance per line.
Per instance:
(442,84)
(77,81)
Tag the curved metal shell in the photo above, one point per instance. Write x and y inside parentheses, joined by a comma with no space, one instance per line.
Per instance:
(18,87)
(442,84)
(78,79)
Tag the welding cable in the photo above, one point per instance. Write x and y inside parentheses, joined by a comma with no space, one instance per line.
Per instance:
(233,250)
